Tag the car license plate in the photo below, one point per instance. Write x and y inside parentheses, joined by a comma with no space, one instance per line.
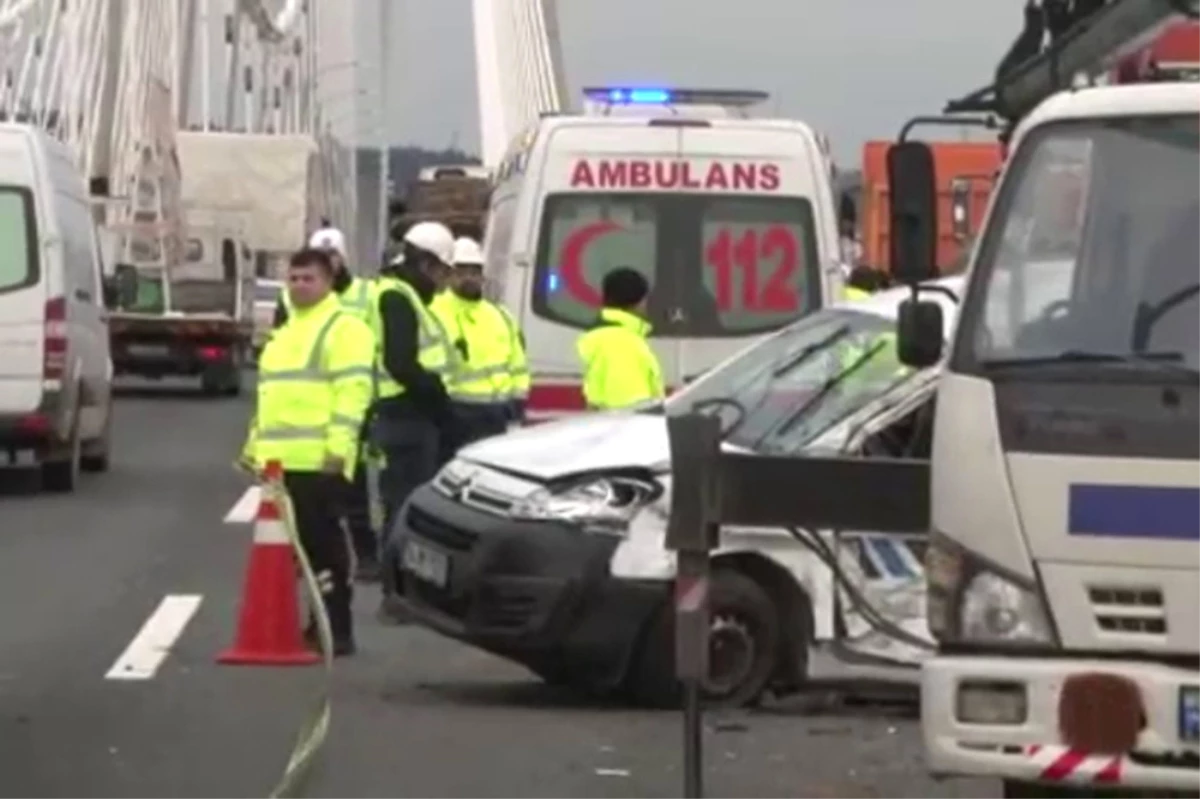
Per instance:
(1189,713)
(149,350)
(427,563)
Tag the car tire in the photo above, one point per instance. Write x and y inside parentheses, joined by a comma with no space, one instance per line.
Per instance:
(95,457)
(62,476)
(743,617)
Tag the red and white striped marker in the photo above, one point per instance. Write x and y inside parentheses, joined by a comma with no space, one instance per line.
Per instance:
(1064,764)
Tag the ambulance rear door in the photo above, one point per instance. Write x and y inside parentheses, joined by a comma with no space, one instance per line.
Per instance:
(601,208)
(764,231)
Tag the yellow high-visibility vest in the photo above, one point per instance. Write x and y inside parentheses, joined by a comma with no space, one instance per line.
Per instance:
(314,389)
(435,352)
(493,348)
(619,367)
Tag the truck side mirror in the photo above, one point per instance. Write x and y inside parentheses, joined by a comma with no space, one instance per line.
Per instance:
(112,294)
(847,214)
(125,282)
(919,332)
(912,190)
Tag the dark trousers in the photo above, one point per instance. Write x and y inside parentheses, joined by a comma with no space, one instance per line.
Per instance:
(410,447)
(472,422)
(358,514)
(317,500)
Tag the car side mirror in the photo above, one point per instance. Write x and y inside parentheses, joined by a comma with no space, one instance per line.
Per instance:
(912,192)
(919,333)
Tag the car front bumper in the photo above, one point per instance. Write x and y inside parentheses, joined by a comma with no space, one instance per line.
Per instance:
(537,592)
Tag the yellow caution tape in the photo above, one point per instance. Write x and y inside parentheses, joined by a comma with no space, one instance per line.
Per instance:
(315,729)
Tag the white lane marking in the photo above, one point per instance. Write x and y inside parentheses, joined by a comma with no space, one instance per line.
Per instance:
(245,509)
(150,647)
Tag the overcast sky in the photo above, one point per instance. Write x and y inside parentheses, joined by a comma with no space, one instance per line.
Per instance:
(855,69)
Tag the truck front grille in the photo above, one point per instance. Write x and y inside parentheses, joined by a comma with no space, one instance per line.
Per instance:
(1129,610)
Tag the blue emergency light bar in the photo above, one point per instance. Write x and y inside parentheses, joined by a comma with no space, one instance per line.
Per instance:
(642,95)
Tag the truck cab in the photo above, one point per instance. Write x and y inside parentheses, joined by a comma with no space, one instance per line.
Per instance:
(1064,558)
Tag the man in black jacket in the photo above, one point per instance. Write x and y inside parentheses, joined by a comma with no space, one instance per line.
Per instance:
(413,405)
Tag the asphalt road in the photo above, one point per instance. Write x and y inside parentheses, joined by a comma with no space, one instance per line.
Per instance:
(90,708)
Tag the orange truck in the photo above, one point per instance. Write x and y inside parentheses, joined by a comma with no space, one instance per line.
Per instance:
(966,172)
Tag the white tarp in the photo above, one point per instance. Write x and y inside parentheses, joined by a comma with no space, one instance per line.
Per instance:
(267,174)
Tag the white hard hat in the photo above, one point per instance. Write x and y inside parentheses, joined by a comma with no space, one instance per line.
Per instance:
(467,252)
(434,238)
(329,239)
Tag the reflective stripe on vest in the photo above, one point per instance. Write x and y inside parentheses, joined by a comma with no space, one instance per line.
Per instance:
(434,351)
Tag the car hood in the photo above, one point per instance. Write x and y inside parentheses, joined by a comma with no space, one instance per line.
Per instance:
(599,442)
(573,445)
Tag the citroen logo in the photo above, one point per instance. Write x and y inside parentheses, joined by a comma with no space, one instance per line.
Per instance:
(676,314)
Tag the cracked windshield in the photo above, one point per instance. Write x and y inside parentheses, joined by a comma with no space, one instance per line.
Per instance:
(783,393)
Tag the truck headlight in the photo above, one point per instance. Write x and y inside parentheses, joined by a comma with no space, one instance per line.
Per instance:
(607,503)
(971,602)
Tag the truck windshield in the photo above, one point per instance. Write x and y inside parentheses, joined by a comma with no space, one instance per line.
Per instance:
(718,265)
(783,392)
(1093,261)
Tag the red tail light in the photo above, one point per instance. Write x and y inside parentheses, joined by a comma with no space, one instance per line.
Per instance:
(54,360)
(212,353)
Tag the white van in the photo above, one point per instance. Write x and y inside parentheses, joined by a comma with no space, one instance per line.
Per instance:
(55,369)
(731,218)
(547,545)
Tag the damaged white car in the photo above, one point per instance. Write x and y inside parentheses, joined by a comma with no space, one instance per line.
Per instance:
(545,545)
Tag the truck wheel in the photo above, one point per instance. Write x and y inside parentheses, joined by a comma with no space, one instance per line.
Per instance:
(233,387)
(95,455)
(744,645)
(62,476)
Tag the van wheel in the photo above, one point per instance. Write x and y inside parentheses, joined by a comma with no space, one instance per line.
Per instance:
(233,387)
(62,476)
(95,456)
(743,650)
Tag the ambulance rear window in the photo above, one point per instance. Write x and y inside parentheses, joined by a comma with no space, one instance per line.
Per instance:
(718,265)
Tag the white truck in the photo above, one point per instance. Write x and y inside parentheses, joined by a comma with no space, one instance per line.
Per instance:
(1063,569)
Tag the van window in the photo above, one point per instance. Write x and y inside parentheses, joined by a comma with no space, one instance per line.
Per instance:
(718,265)
(18,239)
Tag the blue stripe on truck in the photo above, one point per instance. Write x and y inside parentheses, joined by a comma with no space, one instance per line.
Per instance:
(1132,511)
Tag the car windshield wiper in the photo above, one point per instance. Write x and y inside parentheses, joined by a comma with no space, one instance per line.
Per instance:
(828,386)
(1159,361)
(790,363)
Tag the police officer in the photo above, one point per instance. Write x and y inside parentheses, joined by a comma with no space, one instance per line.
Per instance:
(414,364)
(356,295)
(491,377)
(314,388)
(619,367)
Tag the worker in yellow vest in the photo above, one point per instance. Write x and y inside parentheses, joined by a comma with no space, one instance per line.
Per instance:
(490,349)
(619,367)
(356,295)
(413,366)
(314,389)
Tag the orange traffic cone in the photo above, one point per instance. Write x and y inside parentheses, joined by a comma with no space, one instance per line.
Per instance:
(268,631)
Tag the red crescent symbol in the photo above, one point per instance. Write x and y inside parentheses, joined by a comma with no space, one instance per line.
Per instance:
(572,261)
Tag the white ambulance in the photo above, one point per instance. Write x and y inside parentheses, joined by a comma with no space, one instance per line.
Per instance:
(731,218)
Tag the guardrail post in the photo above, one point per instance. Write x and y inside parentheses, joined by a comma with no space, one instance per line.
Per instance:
(693,532)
